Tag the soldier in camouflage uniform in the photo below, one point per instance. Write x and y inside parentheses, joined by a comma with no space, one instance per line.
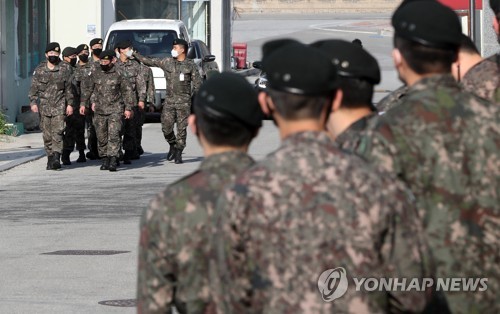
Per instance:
(477,75)
(183,80)
(358,73)
(51,85)
(74,132)
(309,207)
(150,96)
(134,73)
(444,143)
(176,229)
(96,49)
(392,99)
(111,89)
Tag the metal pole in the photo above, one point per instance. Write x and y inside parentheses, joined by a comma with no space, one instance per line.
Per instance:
(179,8)
(472,19)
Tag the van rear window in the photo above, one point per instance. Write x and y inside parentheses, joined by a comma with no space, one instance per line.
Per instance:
(151,43)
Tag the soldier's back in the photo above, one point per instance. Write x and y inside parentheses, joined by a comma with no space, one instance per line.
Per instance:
(483,79)
(300,212)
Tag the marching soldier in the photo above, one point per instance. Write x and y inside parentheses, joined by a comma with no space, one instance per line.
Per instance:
(175,229)
(111,88)
(183,81)
(51,85)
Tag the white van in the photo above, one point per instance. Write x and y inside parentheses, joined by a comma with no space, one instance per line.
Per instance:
(152,38)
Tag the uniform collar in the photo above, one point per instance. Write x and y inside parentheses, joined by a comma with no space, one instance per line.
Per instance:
(237,158)
(319,137)
(431,82)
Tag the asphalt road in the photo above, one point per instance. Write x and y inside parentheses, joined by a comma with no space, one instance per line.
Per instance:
(82,210)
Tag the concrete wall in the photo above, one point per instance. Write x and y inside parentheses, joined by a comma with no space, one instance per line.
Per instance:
(314,6)
(74,22)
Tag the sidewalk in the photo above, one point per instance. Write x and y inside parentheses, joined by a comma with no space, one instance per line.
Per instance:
(15,151)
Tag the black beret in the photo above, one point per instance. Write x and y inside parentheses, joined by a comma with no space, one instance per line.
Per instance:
(179,41)
(107,55)
(229,95)
(300,69)
(81,48)
(69,51)
(95,41)
(429,23)
(124,44)
(53,47)
(351,59)
(495,6)
(272,45)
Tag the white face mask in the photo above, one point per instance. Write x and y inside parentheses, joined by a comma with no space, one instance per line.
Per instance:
(129,53)
(117,54)
(174,53)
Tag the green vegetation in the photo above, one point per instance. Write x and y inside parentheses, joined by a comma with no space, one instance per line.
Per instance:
(3,122)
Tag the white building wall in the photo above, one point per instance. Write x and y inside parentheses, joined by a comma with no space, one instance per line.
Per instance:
(74,22)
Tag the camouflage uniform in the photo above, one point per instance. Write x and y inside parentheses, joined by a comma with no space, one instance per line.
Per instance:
(483,79)
(150,98)
(110,90)
(74,132)
(444,144)
(350,137)
(183,81)
(173,248)
(133,72)
(53,89)
(392,99)
(302,211)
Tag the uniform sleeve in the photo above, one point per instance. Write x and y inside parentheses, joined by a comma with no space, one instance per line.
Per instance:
(141,84)
(151,85)
(68,87)
(127,92)
(33,92)
(196,78)
(156,62)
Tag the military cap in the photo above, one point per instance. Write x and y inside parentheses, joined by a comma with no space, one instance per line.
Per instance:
(53,47)
(95,41)
(124,44)
(300,69)
(429,23)
(351,59)
(107,55)
(179,41)
(69,51)
(229,95)
(81,48)
(272,45)
(495,6)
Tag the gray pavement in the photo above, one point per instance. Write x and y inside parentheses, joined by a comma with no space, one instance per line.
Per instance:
(82,208)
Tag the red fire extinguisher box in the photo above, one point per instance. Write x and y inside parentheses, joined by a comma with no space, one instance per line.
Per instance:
(240,52)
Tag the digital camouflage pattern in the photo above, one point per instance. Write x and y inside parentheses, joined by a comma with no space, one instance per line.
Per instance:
(112,92)
(175,113)
(392,99)
(482,79)
(150,99)
(133,71)
(302,211)
(175,233)
(351,136)
(183,77)
(444,144)
(52,88)
(108,128)
(74,132)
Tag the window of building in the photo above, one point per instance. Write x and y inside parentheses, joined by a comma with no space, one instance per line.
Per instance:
(31,20)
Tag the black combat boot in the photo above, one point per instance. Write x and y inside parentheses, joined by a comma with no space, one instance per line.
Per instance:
(105,163)
(140,151)
(92,155)
(135,154)
(178,156)
(56,163)
(126,157)
(50,160)
(113,164)
(81,158)
(171,152)
(65,157)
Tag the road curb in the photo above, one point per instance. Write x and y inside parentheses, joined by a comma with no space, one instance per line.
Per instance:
(35,155)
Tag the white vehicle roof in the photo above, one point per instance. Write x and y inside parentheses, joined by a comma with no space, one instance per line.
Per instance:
(146,24)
